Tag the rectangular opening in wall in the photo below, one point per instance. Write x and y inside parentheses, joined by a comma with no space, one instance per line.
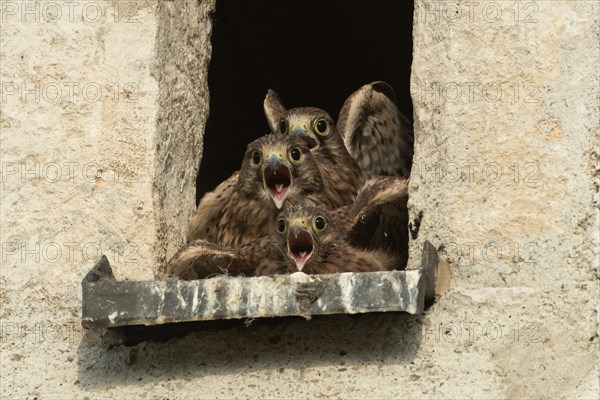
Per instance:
(312,52)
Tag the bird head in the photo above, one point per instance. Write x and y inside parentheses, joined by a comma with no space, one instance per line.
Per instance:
(278,167)
(313,125)
(308,235)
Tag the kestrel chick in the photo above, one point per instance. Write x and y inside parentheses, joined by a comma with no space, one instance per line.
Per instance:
(372,129)
(311,240)
(316,127)
(306,239)
(377,135)
(276,169)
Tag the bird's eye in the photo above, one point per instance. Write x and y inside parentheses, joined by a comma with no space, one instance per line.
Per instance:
(256,159)
(295,155)
(280,226)
(319,223)
(322,127)
(283,126)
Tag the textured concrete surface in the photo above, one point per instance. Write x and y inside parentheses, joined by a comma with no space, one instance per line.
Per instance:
(183,51)
(506,100)
(108,303)
(506,107)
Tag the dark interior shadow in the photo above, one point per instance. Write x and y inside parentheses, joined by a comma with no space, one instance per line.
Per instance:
(312,52)
(342,342)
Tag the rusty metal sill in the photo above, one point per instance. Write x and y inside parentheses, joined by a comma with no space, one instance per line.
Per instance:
(109,304)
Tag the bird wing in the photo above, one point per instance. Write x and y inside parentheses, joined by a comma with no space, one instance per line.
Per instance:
(379,218)
(201,259)
(376,192)
(377,135)
(204,224)
(274,109)
(343,217)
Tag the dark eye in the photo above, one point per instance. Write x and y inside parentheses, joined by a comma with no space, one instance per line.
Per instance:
(319,223)
(321,126)
(256,158)
(283,126)
(280,226)
(295,154)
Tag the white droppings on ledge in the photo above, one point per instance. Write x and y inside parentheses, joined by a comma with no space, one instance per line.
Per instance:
(346,281)
(182,301)
(412,277)
(195,299)
(112,317)
(160,289)
(301,277)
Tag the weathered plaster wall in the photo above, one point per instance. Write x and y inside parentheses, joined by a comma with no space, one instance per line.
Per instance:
(520,317)
(78,113)
(506,109)
(89,103)
(183,52)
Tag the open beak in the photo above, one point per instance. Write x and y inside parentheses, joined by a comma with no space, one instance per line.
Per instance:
(300,245)
(277,179)
(303,133)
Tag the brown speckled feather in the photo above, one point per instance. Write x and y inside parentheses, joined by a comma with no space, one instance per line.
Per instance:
(201,259)
(378,219)
(246,208)
(204,224)
(283,252)
(377,135)
(344,177)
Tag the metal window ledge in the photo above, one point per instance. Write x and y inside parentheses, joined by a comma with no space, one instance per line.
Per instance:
(109,304)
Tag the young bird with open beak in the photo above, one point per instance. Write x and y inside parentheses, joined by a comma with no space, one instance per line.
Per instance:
(276,170)
(317,129)
(306,239)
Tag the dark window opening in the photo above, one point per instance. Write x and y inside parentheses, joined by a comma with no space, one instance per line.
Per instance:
(312,52)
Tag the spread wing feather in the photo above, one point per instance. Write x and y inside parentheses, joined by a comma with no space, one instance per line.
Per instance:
(378,219)
(377,135)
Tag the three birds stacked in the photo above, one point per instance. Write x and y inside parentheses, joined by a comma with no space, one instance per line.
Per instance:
(311,196)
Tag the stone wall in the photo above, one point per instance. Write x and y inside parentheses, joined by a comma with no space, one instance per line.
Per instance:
(506,112)
(103,108)
(183,53)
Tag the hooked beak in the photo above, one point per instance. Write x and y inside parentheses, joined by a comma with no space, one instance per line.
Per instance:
(300,245)
(303,133)
(277,179)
